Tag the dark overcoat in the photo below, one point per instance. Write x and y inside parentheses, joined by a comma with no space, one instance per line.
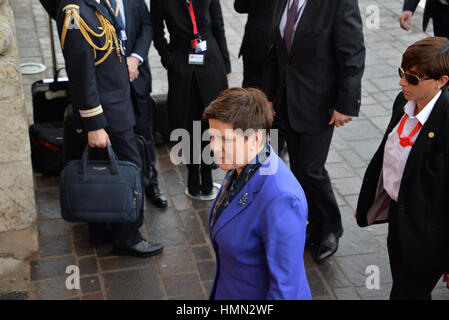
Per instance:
(211,77)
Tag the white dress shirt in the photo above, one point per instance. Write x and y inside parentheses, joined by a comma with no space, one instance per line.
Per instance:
(395,155)
(301,6)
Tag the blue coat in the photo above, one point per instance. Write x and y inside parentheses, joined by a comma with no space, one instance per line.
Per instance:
(259,243)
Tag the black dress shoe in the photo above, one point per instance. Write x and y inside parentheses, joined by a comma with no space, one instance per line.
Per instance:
(155,196)
(142,249)
(328,246)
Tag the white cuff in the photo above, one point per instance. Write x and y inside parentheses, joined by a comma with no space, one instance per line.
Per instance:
(138,57)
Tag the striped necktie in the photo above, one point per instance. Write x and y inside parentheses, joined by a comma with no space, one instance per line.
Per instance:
(290,25)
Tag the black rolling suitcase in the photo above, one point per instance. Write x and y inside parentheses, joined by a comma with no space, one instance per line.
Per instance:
(46,147)
(50,96)
(161,124)
(50,99)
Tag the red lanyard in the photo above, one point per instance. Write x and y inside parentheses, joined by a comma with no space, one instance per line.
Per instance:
(407,141)
(195,28)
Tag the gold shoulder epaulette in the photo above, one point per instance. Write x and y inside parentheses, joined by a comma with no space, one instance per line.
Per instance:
(72,14)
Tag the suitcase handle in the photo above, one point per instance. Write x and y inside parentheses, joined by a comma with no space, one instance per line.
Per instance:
(56,71)
(112,158)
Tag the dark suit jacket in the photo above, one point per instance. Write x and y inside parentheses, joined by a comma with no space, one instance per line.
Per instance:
(258,30)
(211,77)
(107,84)
(140,35)
(325,65)
(423,206)
(410,5)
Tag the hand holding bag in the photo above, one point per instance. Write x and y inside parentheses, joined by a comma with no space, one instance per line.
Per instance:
(100,190)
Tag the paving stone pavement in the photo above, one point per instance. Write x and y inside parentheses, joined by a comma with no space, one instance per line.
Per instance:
(185,270)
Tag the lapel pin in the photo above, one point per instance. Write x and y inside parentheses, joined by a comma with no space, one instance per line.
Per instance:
(243,199)
(431,135)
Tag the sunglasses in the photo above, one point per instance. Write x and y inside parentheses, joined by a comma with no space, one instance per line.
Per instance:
(411,78)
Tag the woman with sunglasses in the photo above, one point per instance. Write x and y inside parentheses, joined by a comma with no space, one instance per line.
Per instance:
(407,182)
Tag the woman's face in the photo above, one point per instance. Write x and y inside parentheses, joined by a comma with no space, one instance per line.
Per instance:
(425,90)
(231,148)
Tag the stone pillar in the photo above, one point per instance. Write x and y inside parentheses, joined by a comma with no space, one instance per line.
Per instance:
(18,232)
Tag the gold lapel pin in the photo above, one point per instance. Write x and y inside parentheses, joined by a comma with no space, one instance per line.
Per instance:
(431,135)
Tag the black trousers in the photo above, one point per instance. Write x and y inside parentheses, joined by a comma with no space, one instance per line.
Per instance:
(308,153)
(440,17)
(252,73)
(143,127)
(124,235)
(406,285)
(195,114)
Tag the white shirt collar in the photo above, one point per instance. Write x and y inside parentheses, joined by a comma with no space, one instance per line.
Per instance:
(422,117)
(98,1)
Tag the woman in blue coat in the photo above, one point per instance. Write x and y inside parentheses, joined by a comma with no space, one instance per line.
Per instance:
(258,220)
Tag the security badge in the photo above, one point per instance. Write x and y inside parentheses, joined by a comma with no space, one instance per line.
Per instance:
(122,37)
(123,34)
(201,46)
(196,59)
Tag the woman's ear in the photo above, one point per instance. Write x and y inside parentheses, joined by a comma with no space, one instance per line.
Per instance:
(443,81)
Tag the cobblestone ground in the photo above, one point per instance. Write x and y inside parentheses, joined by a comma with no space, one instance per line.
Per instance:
(185,270)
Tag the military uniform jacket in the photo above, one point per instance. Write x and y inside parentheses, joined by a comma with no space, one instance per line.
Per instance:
(96,68)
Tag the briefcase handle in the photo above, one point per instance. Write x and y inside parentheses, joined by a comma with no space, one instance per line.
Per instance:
(112,158)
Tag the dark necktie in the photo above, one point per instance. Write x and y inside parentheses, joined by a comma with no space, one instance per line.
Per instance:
(290,25)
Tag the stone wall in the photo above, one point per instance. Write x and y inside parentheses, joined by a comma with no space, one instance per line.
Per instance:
(18,234)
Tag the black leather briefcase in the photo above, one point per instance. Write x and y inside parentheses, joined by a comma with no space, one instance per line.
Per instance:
(100,190)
